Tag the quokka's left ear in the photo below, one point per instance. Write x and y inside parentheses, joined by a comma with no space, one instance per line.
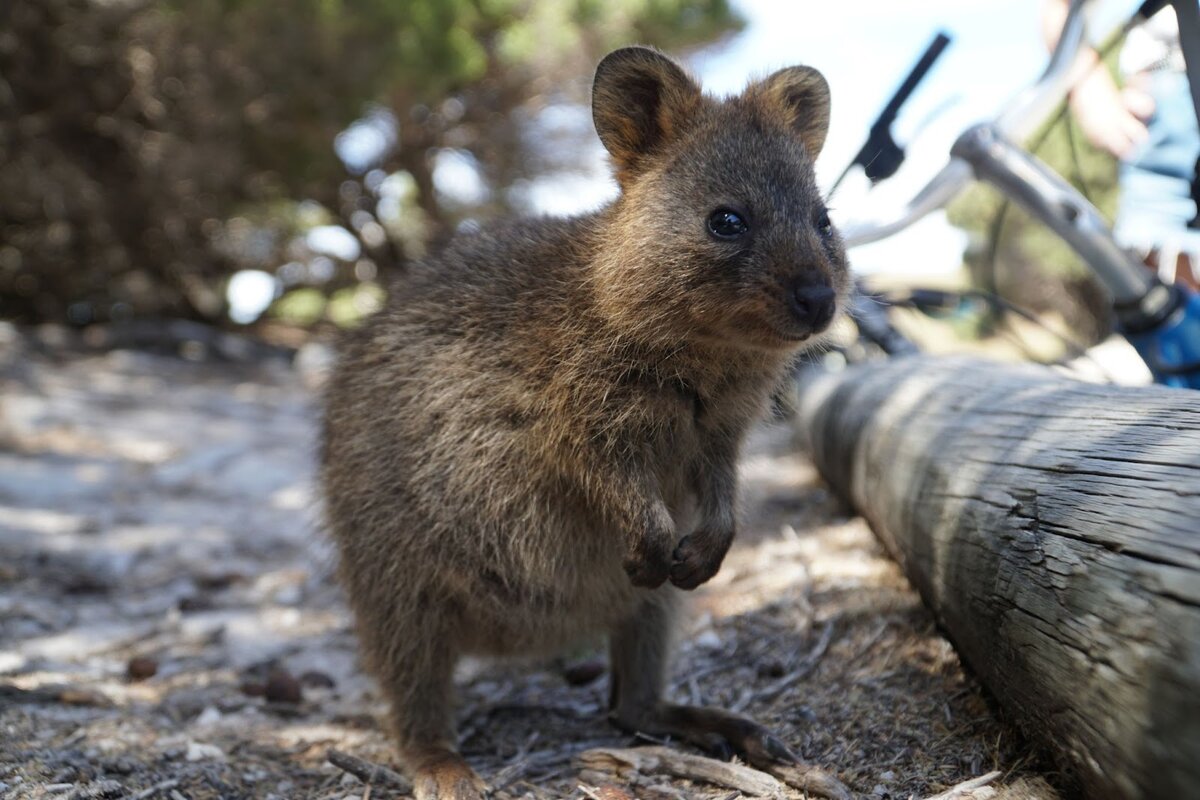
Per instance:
(801,96)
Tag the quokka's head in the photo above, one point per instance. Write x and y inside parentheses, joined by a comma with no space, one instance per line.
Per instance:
(720,234)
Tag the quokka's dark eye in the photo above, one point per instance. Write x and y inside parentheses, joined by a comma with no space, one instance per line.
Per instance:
(726,224)
(824,226)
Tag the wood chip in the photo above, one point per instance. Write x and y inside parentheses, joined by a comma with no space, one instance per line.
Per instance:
(163,786)
(629,763)
(605,792)
(966,788)
(812,781)
(140,668)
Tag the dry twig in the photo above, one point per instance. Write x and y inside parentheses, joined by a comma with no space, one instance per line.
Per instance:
(965,788)
(811,780)
(162,786)
(607,792)
(629,763)
(367,771)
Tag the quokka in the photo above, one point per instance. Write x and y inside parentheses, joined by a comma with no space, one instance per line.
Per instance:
(536,439)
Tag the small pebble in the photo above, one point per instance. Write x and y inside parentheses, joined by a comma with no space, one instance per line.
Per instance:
(317,680)
(141,667)
(581,673)
(209,716)
(121,765)
(254,688)
(771,669)
(217,580)
(198,751)
(282,687)
(195,602)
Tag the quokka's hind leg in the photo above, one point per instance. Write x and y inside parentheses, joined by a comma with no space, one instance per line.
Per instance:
(640,654)
(417,679)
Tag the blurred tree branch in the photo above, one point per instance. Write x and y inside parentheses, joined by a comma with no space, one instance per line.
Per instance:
(150,149)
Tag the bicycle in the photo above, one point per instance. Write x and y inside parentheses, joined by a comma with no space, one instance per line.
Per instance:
(1160,320)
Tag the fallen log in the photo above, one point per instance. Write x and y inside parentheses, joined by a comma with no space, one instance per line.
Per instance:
(1054,529)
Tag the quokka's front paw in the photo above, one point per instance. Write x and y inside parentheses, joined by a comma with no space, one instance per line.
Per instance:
(698,556)
(648,563)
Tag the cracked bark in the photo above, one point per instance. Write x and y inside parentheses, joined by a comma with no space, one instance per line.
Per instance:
(1054,529)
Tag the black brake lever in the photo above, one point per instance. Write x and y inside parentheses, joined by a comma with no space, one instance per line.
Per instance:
(880,157)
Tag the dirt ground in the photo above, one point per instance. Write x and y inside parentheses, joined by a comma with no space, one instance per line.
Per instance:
(169,626)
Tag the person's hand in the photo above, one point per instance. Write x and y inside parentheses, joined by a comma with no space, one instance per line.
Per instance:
(1112,119)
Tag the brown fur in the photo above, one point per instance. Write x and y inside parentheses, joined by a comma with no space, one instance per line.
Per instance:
(540,430)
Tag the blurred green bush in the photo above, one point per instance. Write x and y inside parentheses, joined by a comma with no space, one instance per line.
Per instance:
(149,149)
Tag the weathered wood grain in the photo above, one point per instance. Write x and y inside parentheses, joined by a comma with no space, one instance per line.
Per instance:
(1054,529)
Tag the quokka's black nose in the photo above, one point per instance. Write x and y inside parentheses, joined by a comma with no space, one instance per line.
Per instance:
(813,305)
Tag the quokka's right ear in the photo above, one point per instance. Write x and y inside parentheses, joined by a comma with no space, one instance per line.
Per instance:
(640,99)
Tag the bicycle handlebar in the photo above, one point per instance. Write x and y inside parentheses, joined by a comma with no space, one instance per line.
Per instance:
(1161,321)
(940,190)
(1055,202)
(1023,113)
